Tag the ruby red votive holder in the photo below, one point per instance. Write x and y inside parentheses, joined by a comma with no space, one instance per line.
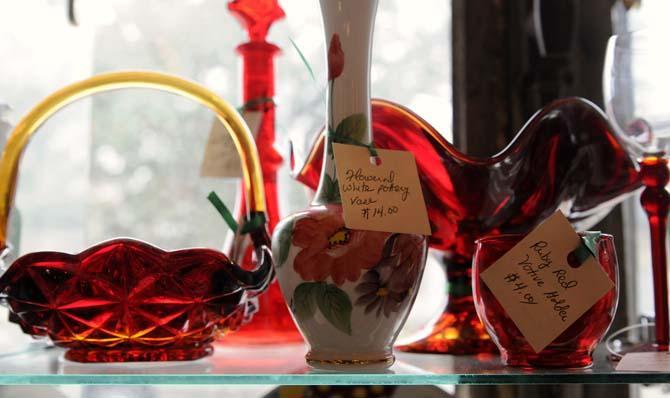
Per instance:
(571,349)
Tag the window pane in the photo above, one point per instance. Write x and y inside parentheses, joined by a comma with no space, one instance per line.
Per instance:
(127,163)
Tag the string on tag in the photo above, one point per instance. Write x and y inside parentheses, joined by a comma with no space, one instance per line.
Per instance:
(587,248)
(223,211)
(345,139)
(254,222)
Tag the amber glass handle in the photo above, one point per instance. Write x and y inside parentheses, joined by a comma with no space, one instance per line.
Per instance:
(29,124)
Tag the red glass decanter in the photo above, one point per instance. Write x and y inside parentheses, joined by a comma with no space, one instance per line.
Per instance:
(126,300)
(571,349)
(272,323)
(566,157)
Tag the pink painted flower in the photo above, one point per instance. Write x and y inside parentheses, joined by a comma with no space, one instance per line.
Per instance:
(329,249)
(335,58)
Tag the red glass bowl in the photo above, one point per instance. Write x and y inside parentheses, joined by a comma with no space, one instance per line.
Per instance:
(574,347)
(126,300)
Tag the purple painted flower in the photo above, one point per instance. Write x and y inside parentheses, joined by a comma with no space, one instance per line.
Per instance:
(385,287)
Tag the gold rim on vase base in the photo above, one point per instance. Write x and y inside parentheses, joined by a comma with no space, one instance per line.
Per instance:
(384,362)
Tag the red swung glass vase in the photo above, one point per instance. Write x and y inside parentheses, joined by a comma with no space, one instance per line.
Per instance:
(571,349)
(271,323)
(567,156)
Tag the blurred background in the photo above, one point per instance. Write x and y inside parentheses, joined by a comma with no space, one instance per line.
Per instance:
(128,163)
(107,166)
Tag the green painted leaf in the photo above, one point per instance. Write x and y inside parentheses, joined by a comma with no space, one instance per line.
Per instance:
(284,241)
(332,190)
(336,307)
(353,126)
(304,299)
(327,186)
(331,139)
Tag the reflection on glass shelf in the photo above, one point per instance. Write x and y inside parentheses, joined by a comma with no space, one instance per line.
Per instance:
(282,365)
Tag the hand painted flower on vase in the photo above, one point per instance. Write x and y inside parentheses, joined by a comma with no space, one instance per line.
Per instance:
(335,57)
(387,285)
(329,249)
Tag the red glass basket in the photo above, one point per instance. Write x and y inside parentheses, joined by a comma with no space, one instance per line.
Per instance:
(123,299)
(574,347)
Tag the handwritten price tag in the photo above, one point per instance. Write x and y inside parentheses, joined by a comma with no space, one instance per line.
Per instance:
(221,158)
(645,362)
(539,290)
(383,197)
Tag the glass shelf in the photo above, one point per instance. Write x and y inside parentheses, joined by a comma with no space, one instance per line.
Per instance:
(284,365)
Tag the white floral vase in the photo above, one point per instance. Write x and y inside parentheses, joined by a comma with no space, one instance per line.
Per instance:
(349,291)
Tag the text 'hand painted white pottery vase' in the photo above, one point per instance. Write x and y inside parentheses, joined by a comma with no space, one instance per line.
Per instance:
(349,291)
